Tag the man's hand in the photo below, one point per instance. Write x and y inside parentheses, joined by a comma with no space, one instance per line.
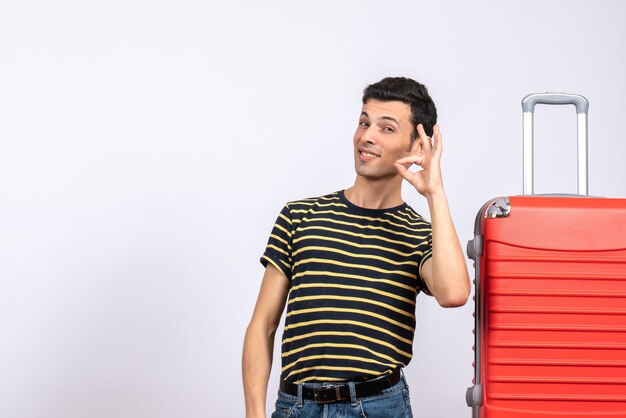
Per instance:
(445,273)
(427,181)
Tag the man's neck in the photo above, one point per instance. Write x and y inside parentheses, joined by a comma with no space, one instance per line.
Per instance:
(378,194)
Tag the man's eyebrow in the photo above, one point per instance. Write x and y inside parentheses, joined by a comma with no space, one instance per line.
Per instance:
(394,120)
(391,119)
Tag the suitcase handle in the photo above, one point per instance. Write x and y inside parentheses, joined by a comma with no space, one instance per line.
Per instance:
(529,102)
(528,108)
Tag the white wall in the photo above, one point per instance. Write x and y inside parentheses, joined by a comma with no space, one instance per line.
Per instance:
(146,148)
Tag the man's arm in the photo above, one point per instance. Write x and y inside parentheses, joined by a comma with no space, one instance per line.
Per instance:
(445,273)
(259,341)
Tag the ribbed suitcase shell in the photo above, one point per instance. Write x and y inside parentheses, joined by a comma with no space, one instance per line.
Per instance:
(551,337)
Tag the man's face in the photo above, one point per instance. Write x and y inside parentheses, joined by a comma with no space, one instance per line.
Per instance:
(382,137)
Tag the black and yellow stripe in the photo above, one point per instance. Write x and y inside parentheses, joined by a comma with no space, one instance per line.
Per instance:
(354,276)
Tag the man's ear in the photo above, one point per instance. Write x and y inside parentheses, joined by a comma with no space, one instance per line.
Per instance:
(416,146)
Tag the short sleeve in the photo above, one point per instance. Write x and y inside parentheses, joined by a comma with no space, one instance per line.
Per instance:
(426,255)
(278,251)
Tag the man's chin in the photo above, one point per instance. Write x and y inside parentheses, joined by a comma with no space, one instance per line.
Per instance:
(372,175)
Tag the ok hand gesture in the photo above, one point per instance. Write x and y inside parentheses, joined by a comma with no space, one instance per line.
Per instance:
(427,155)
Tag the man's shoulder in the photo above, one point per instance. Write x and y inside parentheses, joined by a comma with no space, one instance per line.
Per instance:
(310,202)
(408,211)
(411,216)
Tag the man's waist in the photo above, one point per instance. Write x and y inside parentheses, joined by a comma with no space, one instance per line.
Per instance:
(336,392)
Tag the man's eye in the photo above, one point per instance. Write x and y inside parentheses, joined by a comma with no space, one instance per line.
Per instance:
(388,129)
(364,124)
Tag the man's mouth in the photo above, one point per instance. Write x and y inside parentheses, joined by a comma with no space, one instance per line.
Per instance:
(368,154)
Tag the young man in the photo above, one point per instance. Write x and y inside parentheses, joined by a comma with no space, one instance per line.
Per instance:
(350,264)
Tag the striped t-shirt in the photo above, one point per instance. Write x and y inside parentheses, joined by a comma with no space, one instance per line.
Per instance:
(354,277)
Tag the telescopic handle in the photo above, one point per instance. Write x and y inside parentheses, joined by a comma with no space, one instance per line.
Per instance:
(529,102)
(582,108)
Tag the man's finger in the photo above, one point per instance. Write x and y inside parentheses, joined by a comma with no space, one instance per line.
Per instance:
(427,144)
(437,146)
(421,133)
(412,159)
(405,172)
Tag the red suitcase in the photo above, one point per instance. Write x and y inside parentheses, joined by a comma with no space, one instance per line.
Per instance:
(550,304)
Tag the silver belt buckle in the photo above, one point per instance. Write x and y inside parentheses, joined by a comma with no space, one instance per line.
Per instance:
(327,394)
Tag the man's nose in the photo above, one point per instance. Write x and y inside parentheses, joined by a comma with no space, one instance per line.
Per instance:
(369,135)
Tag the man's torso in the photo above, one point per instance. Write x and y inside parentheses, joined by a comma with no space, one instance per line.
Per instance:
(354,276)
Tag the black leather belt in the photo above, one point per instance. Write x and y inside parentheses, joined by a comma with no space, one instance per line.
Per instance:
(341,391)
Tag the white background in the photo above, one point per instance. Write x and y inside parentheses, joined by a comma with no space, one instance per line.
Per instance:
(146,148)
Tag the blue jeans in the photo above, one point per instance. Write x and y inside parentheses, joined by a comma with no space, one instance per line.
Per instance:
(390,403)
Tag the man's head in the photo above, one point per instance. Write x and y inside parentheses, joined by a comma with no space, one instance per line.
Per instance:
(387,129)
(407,91)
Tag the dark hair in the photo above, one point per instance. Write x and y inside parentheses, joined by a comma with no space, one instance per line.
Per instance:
(408,91)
